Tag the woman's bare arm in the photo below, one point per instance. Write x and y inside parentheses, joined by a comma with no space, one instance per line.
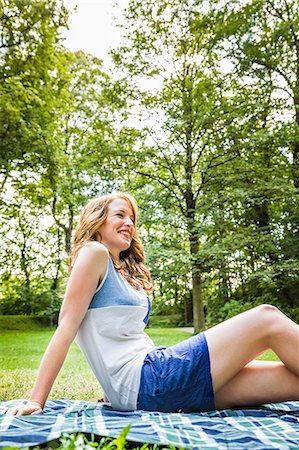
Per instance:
(89,268)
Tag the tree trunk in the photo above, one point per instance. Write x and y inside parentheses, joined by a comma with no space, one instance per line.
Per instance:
(58,262)
(68,238)
(25,264)
(296,145)
(198,311)
(224,282)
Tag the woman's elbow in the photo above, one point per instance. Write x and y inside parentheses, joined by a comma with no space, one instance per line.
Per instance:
(68,327)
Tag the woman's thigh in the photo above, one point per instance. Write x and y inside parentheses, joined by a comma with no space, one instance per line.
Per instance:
(257,383)
(237,341)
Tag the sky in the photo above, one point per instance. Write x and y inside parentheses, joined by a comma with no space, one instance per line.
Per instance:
(92,26)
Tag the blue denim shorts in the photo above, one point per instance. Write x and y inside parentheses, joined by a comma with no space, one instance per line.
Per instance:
(177,378)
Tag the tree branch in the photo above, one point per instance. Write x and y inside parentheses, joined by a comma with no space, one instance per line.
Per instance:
(165,185)
(168,166)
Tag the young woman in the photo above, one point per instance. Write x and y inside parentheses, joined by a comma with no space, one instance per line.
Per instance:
(106,309)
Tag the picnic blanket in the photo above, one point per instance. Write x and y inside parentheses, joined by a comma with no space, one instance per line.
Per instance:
(273,426)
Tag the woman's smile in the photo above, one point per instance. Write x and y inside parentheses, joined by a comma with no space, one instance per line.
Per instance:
(127,234)
(118,229)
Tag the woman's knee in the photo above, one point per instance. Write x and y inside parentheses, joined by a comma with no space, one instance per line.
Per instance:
(269,317)
(267,309)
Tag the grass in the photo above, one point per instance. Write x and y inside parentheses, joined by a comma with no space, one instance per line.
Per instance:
(21,352)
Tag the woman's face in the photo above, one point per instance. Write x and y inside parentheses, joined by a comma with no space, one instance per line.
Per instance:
(117,230)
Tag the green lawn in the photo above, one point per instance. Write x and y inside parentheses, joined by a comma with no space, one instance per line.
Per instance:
(21,353)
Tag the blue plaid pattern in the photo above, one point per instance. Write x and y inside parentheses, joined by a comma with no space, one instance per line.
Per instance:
(273,426)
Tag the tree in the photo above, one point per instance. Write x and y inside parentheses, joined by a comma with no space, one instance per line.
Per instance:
(26,257)
(30,57)
(79,149)
(261,39)
(194,132)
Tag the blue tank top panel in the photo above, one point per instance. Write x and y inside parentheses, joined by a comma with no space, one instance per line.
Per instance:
(116,291)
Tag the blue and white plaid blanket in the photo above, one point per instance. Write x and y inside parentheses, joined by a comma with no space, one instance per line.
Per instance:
(274,426)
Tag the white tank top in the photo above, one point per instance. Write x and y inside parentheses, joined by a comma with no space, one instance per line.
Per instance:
(112,338)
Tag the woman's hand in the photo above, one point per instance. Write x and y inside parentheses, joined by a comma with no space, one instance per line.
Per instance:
(103,399)
(24,410)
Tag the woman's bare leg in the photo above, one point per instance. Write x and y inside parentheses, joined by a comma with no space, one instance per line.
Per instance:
(237,341)
(259,382)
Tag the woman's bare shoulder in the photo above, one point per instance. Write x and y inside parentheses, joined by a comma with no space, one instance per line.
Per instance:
(95,249)
(97,246)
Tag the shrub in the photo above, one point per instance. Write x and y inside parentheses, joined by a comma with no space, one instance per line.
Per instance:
(171,320)
(22,323)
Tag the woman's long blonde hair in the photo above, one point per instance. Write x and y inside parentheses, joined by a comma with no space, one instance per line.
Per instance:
(132,260)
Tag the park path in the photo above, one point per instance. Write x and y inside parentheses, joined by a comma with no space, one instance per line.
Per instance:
(187,329)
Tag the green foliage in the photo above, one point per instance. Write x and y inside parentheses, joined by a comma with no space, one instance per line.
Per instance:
(213,159)
(192,130)
(38,299)
(60,165)
(29,63)
(79,440)
(88,442)
(74,441)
